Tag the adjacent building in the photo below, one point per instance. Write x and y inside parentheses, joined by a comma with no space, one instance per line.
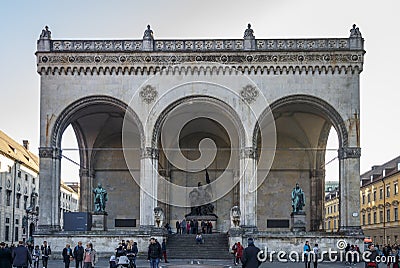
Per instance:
(332,210)
(19,187)
(69,199)
(379,198)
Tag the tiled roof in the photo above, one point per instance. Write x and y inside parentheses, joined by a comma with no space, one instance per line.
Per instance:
(16,151)
(376,172)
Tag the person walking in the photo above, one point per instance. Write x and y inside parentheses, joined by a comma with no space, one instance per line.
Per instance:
(78,255)
(233,251)
(21,256)
(183,226)
(131,253)
(315,255)
(178,227)
(164,250)
(306,252)
(46,252)
(89,259)
(249,258)
(67,255)
(154,253)
(5,256)
(36,256)
(239,253)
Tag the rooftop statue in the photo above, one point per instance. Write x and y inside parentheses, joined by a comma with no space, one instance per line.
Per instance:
(46,34)
(148,33)
(249,33)
(355,32)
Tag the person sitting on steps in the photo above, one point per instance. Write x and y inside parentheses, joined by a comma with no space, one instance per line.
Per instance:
(199,239)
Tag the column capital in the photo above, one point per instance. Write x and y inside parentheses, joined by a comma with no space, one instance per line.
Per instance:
(149,152)
(50,152)
(248,152)
(85,172)
(349,152)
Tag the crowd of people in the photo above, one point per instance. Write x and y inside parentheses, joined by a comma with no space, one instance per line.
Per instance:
(28,255)
(248,256)
(388,254)
(193,227)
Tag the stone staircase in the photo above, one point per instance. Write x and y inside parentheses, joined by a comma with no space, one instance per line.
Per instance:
(215,246)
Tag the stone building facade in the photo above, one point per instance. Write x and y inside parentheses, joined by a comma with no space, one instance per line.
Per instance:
(19,187)
(379,195)
(332,211)
(260,109)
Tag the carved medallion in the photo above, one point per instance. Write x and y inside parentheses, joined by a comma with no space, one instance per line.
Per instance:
(148,94)
(249,93)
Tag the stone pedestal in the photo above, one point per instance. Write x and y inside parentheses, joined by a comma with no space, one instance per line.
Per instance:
(99,222)
(298,221)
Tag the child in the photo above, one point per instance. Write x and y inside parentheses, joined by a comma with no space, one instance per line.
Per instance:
(36,256)
(113,263)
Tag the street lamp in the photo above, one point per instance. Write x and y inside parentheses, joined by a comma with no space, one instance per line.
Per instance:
(384,210)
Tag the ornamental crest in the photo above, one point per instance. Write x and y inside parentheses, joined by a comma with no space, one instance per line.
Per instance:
(249,93)
(148,94)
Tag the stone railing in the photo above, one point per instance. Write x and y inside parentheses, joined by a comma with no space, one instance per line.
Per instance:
(205,45)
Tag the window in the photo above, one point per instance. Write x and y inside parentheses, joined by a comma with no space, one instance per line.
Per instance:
(369,218)
(19,173)
(25,202)
(381,216)
(375,219)
(329,224)
(388,191)
(334,208)
(7,233)
(26,177)
(369,197)
(363,219)
(334,224)
(388,215)
(16,221)
(9,169)
(7,220)
(363,199)
(375,195)
(396,214)
(17,204)
(8,198)
(33,180)
(380,193)
(396,188)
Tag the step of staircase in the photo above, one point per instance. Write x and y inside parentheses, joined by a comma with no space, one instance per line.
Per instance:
(215,246)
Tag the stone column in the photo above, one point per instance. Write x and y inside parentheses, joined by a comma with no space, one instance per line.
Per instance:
(317,196)
(86,185)
(248,187)
(148,186)
(49,189)
(349,183)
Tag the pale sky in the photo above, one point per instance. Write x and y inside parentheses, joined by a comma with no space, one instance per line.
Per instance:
(22,22)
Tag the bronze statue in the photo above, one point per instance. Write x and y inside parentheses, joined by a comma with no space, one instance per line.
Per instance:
(100,198)
(298,199)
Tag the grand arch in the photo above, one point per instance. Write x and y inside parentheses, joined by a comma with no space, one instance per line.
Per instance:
(309,85)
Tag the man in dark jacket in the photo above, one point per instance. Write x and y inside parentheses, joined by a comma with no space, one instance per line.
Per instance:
(67,255)
(249,258)
(5,256)
(155,253)
(46,252)
(78,255)
(21,256)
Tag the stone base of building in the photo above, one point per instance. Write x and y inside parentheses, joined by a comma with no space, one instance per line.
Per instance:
(99,222)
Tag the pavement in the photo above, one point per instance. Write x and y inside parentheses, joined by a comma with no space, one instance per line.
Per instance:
(178,263)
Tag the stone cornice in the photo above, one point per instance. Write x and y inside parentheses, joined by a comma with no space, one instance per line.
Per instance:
(50,152)
(248,62)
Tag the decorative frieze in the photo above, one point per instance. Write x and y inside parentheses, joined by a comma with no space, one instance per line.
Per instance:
(50,152)
(349,152)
